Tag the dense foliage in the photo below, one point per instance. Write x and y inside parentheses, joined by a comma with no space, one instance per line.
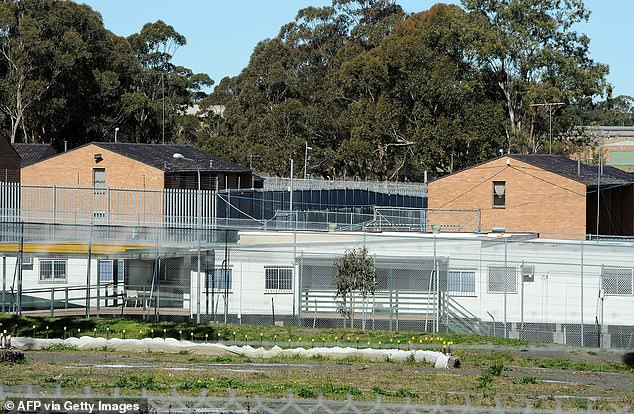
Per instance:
(377,93)
(64,76)
(373,91)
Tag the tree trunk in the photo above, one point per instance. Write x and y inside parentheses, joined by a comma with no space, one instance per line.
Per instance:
(351,309)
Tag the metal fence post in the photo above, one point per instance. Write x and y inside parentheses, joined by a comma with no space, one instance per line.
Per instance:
(4,281)
(506,282)
(52,302)
(582,317)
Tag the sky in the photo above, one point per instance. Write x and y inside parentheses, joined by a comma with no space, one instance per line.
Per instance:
(221,34)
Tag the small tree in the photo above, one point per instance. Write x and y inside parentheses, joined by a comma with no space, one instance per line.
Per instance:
(355,273)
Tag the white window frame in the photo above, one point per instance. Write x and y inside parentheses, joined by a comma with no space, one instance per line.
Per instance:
(615,277)
(278,279)
(510,284)
(466,279)
(57,266)
(502,197)
(219,271)
(120,269)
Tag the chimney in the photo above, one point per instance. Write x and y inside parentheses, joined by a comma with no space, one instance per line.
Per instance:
(578,163)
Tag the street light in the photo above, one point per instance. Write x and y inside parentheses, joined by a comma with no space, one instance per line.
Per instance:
(198,229)
(115,133)
(306,158)
(551,107)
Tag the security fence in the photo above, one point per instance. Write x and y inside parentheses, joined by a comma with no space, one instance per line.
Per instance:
(517,286)
(203,403)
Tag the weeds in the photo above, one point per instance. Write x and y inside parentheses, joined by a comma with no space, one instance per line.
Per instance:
(495,370)
(526,380)
(485,382)
(64,382)
(62,347)
(139,382)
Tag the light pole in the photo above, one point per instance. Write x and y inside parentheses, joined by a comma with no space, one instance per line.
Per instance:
(551,106)
(115,133)
(198,230)
(306,158)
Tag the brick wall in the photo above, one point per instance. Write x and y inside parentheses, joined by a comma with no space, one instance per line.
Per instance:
(75,168)
(536,200)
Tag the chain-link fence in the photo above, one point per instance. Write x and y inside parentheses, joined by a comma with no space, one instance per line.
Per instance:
(573,292)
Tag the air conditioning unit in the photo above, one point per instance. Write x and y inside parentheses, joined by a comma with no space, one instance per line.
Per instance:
(528,273)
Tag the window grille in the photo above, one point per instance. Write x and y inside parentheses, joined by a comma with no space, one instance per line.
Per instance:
(616,280)
(278,279)
(502,279)
(53,270)
(461,282)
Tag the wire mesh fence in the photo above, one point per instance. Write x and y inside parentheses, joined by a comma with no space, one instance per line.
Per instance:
(148,402)
(572,292)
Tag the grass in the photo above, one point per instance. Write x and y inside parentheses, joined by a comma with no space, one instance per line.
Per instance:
(240,334)
(482,381)
(304,378)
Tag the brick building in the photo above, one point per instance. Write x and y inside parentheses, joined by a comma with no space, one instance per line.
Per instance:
(122,182)
(548,194)
(138,166)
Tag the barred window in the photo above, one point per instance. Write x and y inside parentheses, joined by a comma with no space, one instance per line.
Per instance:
(278,279)
(106,271)
(220,279)
(461,282)
(616,280)
(502,279)
(53,270)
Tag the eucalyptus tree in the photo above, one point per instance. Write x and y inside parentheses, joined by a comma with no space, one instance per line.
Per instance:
(534,55)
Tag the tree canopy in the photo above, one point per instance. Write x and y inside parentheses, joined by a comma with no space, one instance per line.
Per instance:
(380,94)
(65,77)
(377,93)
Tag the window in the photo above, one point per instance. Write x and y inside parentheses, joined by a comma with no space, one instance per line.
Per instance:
(53,270)
(278,279)
(461,282)
(499,194)
(27,262)
(220,279)
(106,271)
(616,280)
(99,179)
(502,279)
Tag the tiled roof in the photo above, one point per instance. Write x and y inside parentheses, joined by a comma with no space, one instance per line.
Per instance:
(566,167)
(32,153)
(161,156)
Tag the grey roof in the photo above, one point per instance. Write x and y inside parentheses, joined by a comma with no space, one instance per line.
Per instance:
(161,156)
(566,167)
(628,143)
(32,153)
(610,131)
